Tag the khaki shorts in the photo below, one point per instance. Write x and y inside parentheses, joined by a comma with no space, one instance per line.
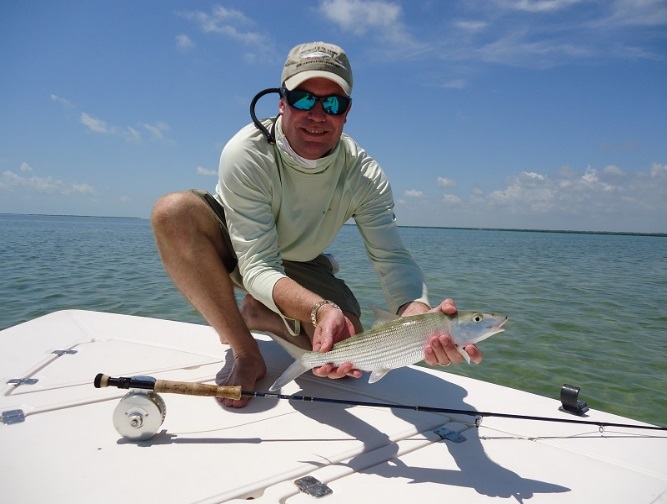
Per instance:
(317,275)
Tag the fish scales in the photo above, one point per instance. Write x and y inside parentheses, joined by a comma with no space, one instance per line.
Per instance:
(396,343)
(393,344)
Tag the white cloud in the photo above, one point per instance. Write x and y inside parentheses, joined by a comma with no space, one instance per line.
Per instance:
(533,33)
(359,16)
(207,172)
(131,135)
(381,18)
(658,170)
(413,193)
(46,185)
(471,26)
(183,42)
(613,170)
(455,84)
(62,101)
(533,175)
(94,124)
(445,182)
(220,20)
(235,25)
(623,13)
(452,199)
(537,5)
(25,168)
(590,199)
(156,131)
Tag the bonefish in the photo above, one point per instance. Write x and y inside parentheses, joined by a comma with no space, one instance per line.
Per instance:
(396,342)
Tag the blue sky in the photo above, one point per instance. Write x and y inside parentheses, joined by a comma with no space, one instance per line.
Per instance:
(543,114)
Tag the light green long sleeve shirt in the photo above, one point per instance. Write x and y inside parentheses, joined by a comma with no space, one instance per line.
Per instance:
(278,208)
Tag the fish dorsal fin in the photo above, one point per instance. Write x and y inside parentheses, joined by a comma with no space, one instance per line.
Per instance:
(382,316)
(377,375)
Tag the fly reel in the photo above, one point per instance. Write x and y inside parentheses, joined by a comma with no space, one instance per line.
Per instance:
(141,412)
(139,415)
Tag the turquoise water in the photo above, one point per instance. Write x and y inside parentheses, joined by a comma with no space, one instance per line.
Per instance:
(585,309)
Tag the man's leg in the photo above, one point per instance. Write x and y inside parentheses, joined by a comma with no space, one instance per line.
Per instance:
(193,253)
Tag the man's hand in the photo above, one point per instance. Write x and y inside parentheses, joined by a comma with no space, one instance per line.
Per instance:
(441,350)
(332,326)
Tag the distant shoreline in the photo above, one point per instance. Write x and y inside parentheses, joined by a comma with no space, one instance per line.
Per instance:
(463,228)
(70,216)
(561,231)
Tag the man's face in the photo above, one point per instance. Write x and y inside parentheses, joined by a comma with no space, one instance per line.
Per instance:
(313,133)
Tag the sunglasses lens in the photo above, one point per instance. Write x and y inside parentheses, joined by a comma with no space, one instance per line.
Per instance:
(331,105)
(303,100)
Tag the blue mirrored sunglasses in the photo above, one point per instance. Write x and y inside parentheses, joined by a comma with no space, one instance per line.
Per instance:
(303,100)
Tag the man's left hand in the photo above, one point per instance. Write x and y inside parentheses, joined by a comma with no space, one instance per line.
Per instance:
(441,350)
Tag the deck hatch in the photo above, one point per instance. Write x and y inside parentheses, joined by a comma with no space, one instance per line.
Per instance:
(313,487)
(23,381)
(13,416)
(449,435)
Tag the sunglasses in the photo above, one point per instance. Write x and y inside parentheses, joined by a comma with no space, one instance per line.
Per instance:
(303,100)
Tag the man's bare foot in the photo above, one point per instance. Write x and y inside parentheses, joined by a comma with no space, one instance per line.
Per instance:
(258,317)
(245,372)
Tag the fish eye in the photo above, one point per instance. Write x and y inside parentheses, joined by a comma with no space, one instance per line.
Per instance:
(477,317)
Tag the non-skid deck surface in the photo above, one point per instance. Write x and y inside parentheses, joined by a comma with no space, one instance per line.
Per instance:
(68,450)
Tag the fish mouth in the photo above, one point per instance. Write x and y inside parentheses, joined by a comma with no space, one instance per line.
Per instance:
(498,327)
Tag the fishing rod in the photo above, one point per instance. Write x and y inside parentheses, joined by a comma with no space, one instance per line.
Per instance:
(235,392)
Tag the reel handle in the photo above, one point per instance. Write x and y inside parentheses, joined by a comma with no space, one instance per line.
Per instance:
(169,386)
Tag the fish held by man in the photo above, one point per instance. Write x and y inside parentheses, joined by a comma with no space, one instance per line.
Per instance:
(393,342)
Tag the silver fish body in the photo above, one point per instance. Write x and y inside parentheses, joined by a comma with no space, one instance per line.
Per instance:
(395,343)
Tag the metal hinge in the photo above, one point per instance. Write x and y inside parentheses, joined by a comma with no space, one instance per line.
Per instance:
(13,416)
(449,435)
(64,352)
(312,486)
(23,381)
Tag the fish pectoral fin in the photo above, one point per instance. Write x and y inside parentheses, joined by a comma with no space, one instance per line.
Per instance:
(377,375)
(464,353)
(382,316)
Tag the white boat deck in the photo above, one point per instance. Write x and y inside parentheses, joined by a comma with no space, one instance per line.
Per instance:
(67,450)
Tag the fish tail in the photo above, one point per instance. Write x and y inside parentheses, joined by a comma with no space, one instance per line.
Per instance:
(296,369)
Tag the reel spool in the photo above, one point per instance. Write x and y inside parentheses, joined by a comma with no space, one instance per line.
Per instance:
(139,415)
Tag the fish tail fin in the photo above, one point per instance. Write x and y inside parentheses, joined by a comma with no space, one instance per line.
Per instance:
(296,369)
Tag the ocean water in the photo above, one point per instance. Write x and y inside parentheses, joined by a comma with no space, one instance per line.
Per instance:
(589,310)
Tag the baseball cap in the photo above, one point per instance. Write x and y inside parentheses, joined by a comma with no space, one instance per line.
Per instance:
(317,59)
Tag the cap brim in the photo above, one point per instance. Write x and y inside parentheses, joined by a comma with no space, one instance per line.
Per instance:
(301,77)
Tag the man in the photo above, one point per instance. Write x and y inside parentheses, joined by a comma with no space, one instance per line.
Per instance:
(284,191)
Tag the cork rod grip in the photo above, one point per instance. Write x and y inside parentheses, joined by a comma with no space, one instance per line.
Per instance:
(198,389)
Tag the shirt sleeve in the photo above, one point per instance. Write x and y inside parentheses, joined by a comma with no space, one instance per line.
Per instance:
(400,276)
(245,189)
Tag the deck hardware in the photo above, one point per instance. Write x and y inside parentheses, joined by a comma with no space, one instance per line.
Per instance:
(312,486)
(23,381)
(64,352)
(569,401)
(13,416)
(449,435)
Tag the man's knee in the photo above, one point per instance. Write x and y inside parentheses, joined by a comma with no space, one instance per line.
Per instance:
(175,210)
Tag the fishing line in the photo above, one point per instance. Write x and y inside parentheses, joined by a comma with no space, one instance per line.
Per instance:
(235,392)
